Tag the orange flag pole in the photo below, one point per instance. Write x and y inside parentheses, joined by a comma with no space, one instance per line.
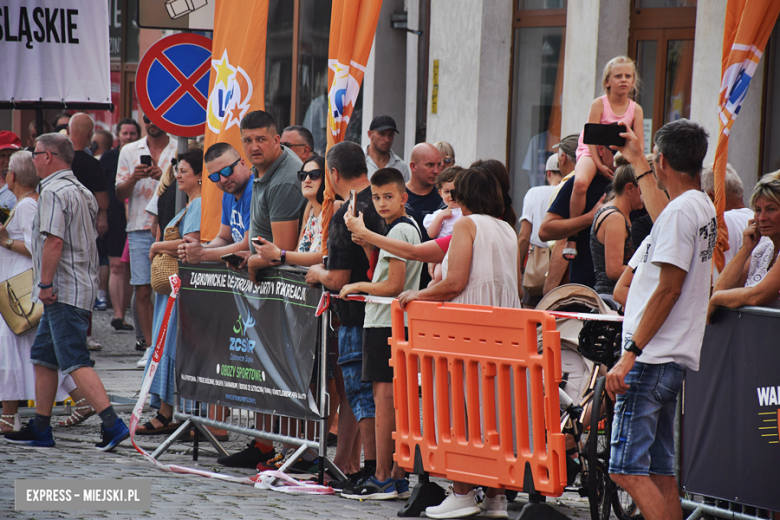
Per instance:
(236,87)
(748,26)
(352,28)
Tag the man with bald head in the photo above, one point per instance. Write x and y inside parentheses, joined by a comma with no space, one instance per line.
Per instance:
(86,168)
(424,198)
(88,171)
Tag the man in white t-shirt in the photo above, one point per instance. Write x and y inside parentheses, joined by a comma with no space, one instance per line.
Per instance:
(736,215)
(137,183)
(672,278)
(535,205)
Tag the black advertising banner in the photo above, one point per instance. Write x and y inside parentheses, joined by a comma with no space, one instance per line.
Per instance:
(244,344)
(731,448)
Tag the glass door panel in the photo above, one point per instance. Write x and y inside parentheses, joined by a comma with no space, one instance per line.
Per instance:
(679,69)
(647,61)
(664,59)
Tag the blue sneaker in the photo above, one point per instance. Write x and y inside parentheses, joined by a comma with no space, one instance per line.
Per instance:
(112,437)
(30,436)
(101,304)
(402,487)
(372,489)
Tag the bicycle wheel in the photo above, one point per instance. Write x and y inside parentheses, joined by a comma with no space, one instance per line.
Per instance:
(624,506)
(601,490)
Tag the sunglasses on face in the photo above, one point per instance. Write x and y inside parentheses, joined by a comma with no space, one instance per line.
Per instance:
(147,120)
(290,145)
(312,174)
(227,171)
(448,160)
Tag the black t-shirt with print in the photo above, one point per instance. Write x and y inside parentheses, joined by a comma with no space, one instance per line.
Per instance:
(343,253)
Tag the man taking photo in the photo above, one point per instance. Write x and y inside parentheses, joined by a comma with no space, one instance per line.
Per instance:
(672,281)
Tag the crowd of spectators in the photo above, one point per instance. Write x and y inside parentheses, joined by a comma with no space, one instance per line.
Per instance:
(426,229)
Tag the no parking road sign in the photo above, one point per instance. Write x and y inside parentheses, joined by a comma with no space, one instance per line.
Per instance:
(172,83)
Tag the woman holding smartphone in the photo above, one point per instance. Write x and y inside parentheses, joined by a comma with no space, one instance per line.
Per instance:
(310,241)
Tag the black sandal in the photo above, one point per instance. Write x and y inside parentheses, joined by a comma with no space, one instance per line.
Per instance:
(149,428)
(120,325)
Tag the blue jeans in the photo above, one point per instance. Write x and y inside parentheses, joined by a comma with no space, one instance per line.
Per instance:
(61,340)
(643,426)
(360,395)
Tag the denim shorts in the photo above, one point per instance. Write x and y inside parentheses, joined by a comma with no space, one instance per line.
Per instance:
(140,242)
(360,395)
(61,340)
(643,426)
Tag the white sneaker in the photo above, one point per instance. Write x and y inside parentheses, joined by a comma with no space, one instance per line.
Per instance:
(455,506)
(144,360)
(494,507)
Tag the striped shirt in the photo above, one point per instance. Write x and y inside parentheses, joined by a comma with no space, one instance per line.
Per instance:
(67,210)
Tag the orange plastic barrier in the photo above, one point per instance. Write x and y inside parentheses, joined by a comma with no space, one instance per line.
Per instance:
(493,352)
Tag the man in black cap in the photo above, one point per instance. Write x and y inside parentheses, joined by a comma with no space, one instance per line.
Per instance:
(379,153)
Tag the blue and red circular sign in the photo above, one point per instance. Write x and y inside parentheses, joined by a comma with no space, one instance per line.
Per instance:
(172,83)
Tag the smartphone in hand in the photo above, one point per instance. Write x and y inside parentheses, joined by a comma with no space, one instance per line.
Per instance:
(146,160)
(233,259)
(353,203)
(256,242)
(604,135)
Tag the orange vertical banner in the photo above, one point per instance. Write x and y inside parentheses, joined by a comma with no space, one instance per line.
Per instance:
(748,26)
(236,87)
(352,28)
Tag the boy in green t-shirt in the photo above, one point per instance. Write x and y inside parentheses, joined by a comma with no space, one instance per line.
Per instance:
(392,275)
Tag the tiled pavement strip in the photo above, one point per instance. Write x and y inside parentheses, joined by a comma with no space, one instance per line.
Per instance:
(178,496)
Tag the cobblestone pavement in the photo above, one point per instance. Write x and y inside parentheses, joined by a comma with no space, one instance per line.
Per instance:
(177,496)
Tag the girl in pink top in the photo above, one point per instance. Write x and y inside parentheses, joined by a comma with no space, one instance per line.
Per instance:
(620,83)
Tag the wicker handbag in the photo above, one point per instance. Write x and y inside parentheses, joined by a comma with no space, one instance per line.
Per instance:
(165,265)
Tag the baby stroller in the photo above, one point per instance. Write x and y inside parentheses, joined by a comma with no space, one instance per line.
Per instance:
(589,348)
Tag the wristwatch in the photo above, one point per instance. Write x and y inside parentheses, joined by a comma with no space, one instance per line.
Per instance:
(631,347)
(283,257)
(9,243)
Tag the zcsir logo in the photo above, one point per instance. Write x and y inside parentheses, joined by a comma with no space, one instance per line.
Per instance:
(343,93)
(229,99)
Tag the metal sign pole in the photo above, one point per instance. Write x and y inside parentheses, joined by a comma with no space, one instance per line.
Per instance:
(180,195)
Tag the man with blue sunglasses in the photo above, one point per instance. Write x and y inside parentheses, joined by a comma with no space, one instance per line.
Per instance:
(230,173)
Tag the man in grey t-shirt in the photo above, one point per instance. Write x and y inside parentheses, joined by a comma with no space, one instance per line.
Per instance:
(277,201)
(277,204)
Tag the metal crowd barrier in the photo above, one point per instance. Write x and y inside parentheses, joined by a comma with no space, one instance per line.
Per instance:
(271,426)
(729,437)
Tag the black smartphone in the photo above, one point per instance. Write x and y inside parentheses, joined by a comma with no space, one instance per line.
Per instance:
(256,242)
(605,135)
(233,259)
(146,160)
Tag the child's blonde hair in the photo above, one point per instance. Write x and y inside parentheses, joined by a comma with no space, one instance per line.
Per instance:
(619,60)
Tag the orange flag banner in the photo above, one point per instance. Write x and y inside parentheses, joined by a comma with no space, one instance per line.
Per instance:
(352,28)
(748,26)
(236,87)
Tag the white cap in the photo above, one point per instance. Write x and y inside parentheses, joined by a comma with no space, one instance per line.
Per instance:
(552,163)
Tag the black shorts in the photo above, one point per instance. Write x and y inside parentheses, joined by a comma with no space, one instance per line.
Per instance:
(376,355)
